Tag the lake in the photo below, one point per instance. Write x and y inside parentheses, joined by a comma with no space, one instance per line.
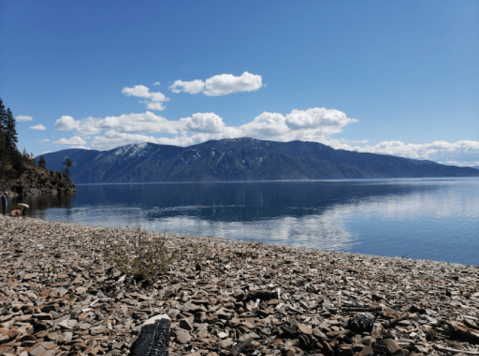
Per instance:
(434,219)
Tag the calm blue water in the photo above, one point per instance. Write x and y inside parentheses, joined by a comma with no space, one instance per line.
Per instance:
(435,219)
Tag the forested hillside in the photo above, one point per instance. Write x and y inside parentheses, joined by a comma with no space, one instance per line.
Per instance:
(18,172)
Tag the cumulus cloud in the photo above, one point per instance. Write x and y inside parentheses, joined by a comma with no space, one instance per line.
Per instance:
(45,140)
(463,153)
(218,85)
(224,84)
(192,87)
(138,90)
(74,142)
(66,123)
(146,122)
(157,83)
(24,118)
(154,99)
(155,106)
(203,122)
(112,139)
(39,127)
(314,124)
(267,125)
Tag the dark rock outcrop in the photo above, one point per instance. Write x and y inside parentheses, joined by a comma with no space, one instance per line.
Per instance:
(37,181)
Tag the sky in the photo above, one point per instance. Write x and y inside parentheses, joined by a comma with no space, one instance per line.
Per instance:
(389,77)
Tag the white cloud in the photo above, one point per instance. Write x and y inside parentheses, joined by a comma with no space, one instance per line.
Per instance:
(203,122)
(66,123)
(331,120)
(142,123)
(141,91)
(138,90)
(266,125)
(460,153)
(314,124)
(89,126)
(24,118)
(155,106)
(39,127)
(157,83)
(146,122)
(192,87)
(218,85)
(45,140)
(224,84)
(158,97)
(74,142)
(113,139)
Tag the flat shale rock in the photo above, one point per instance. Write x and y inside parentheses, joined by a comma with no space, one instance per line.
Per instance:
(60,296)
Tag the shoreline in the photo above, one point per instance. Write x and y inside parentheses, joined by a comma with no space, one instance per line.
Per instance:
(60,297)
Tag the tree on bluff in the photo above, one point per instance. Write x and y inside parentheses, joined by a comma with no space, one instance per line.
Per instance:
(41,162)
(11,160)
(68,163)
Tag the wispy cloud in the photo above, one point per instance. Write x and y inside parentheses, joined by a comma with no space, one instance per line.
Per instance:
(463,153)
(74,142)
(39,127)
(24,118)
(219,85)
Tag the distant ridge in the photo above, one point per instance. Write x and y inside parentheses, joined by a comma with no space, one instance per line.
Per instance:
(242,159)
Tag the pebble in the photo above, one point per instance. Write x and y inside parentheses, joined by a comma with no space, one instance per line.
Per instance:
(60,297)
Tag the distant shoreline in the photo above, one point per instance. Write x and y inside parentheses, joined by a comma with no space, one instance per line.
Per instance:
(289,180)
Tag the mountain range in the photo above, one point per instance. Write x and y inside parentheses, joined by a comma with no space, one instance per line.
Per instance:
(241,159)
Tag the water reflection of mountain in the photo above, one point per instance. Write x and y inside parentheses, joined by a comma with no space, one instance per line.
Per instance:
(240,201)
(420,218)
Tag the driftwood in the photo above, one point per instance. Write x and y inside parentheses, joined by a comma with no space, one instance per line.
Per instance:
(261,295)
(455,351)
(462,332)
(153,340)
(361,308)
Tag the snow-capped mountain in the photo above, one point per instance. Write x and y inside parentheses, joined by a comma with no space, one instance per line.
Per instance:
(238,160)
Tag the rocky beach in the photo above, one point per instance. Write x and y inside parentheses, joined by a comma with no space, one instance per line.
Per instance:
(60,295)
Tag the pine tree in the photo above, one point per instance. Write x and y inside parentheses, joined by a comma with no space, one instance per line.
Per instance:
(3,116)
(3,141)
(10,130)
(41,162)
(67,164)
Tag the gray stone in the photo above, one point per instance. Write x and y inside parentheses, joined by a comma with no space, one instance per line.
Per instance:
(183,336)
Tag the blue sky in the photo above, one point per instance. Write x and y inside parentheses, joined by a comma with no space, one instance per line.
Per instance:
(393,77)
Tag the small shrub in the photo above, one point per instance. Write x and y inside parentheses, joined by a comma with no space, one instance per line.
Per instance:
(199,250)
(144,256)
(432,334)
